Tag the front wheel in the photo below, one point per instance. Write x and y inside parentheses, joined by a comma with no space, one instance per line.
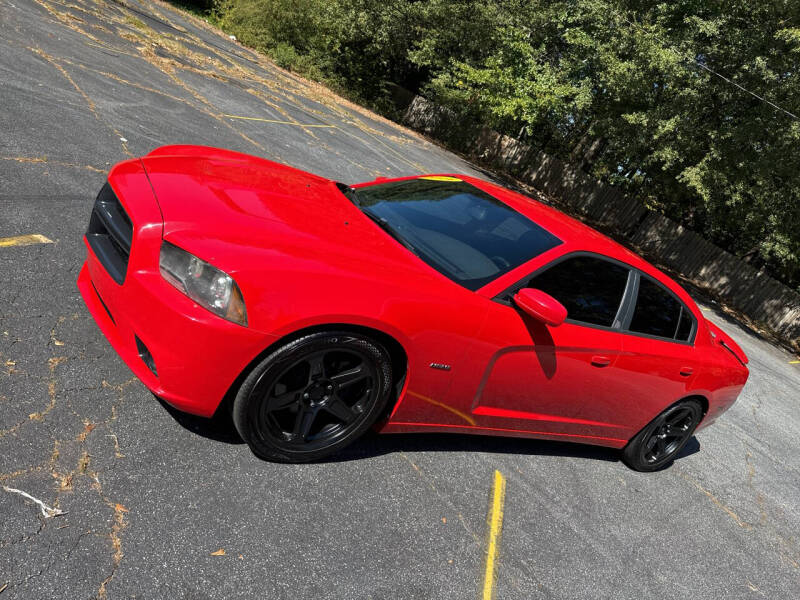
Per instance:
(660,441)
(313,396)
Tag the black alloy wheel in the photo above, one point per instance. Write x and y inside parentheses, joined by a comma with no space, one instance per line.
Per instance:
(664,437)
(313,396)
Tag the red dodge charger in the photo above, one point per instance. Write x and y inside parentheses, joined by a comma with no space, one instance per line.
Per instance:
(313,310)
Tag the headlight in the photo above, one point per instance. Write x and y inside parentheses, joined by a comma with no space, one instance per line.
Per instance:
(203,283)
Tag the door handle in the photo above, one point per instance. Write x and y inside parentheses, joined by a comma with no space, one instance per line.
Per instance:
(686,371)
(600,361)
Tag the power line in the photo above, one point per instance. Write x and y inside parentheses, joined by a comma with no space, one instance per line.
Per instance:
(772,104)
(710,70)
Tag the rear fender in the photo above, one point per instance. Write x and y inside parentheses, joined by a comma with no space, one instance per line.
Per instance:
(720,338)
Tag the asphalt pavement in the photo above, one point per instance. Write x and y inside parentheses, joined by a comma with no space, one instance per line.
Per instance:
(161,505)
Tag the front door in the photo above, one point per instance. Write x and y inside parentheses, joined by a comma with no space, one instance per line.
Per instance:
(557,381)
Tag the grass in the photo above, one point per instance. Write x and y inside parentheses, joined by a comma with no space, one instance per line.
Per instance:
(287,57)
(138,23)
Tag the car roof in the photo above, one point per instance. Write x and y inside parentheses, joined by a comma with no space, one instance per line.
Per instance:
(575,235)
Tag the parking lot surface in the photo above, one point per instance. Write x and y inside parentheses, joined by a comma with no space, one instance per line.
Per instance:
(158,504)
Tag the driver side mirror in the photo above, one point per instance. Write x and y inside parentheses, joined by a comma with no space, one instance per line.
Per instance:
(541,306)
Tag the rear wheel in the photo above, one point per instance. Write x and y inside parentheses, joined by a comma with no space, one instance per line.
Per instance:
(664,437)
(313,396)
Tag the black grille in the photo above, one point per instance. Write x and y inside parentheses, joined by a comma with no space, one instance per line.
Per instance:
(110,233)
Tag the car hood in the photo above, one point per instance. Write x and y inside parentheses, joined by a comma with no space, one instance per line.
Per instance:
(209,197)
(211,187)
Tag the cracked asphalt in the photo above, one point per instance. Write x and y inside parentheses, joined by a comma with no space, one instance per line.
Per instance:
(151,496)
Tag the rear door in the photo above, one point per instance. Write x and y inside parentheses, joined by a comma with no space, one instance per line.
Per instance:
(658,358)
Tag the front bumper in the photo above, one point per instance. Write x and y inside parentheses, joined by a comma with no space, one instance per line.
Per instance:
(197,355)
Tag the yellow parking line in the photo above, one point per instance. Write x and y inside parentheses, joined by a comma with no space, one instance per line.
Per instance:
(24,240)
(794,362)
(274,121)
(495,525)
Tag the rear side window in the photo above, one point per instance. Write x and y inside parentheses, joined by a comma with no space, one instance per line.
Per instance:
(660,313)
(685,325)
(590,288)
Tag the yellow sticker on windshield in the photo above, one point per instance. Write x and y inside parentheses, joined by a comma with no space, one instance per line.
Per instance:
(439,178)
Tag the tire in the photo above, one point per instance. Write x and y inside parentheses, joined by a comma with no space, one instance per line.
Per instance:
(313,396)
(657,445)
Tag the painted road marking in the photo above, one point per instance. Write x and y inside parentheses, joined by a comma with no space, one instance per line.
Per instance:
(794,362)
(24,240)
(440,178)
(274,121)
(494,520)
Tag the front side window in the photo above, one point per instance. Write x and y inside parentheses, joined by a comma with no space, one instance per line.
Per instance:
(458,229)
(659,313)
(590,288)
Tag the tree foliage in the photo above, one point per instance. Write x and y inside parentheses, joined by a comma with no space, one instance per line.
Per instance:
(631,80)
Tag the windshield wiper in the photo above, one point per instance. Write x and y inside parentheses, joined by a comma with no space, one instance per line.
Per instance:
(349,193)
(352,195)
(384,224)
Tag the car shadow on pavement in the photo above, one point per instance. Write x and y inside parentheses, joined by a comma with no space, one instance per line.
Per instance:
(373,444)
(691,447)
(220,428)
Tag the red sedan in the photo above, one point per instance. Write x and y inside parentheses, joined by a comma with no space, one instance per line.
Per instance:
(313,310)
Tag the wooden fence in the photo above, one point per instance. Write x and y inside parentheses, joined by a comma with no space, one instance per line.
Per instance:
(762,299)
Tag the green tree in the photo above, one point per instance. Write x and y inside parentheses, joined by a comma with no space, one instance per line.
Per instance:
(624,88)
(637,76)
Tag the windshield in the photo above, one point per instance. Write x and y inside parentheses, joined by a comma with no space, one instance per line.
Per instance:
(459,230)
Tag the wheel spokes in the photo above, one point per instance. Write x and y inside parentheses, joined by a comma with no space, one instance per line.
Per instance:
(350,376)
(281,401)
(304,421)
(668,435)
(316,367)
(340,410)
(675,431)
(319,397)
(677,417)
